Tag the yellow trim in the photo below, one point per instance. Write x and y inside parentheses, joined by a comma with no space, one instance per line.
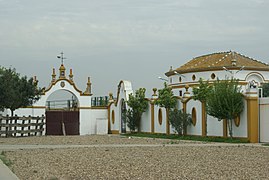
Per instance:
(204,133)
(97,107)
(70,82)
(35,107)
(152,117)
(237,121)
(115,132)
(253,119)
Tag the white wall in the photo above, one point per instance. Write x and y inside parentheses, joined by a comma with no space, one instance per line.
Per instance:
(197,129)
(146,120)
(214,127)
(264,119)
(242,129)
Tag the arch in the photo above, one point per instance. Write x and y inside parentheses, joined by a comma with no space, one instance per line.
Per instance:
(127,89)
(62,113)
(255,77)
(72,103)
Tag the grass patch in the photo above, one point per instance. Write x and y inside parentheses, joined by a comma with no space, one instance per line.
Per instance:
(265,144)
(192,138)
(3,157)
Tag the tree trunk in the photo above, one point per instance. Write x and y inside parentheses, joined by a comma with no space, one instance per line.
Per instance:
(230,127)
(167,122)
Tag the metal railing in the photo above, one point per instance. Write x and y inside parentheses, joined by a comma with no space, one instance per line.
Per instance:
(100,101)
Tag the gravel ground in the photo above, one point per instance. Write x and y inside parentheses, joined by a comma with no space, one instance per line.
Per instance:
(83,140)
(165,162)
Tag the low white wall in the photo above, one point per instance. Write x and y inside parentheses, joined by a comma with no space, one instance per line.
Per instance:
(197,129)
(264,120)
(146,120)
(214,127)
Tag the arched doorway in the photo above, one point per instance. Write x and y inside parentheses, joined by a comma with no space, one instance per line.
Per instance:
(62,113)
(123,117)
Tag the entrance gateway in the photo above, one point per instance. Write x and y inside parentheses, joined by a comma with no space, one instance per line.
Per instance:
(63,117)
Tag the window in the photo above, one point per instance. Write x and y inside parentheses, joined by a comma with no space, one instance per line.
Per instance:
(213,76)
(193,77)
(180,93)
(237,121)
(171,80)
(180,79)
(193,116)
(160,116)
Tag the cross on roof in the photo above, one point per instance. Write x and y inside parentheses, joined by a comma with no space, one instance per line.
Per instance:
(61,57)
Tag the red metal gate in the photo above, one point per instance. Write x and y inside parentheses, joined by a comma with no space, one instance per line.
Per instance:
(56,120)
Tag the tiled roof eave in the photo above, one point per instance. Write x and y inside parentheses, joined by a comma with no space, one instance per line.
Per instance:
(183,71)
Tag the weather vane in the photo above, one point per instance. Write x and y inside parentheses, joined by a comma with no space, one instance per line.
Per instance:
(61,56)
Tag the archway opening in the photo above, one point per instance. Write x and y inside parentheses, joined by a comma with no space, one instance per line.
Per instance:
(62,113)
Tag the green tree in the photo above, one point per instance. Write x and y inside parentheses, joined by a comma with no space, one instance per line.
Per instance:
(201,93)
(138,104)
(225,101)
(179,120)
(265,90)
(16,91)
(167,100)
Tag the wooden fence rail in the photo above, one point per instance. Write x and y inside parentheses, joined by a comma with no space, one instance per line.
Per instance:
(15,126)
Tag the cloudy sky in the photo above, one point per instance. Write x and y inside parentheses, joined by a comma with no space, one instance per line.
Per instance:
(136,40)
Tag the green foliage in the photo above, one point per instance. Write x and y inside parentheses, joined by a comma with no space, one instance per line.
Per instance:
(192,138)
(4,159)
(265,90)
(138,105)
(179,120)
(225,101)
(166,98)
(202,91)
(16,91)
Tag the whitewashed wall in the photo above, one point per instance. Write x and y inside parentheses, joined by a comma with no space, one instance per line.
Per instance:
(264,119)
(146,120)
(214,127)
(197,129)
(242,129)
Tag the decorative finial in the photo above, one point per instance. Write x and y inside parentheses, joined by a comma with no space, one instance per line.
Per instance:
(71,75)
(233,59)
(111,97)
(53,76)
(171,68)
(187,93)
(35,81)
(154,92)
(89,87)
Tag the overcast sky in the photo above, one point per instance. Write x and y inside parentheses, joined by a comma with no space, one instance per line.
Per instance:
(136,40)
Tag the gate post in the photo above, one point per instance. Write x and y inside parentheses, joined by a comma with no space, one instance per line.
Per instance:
(252,115)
